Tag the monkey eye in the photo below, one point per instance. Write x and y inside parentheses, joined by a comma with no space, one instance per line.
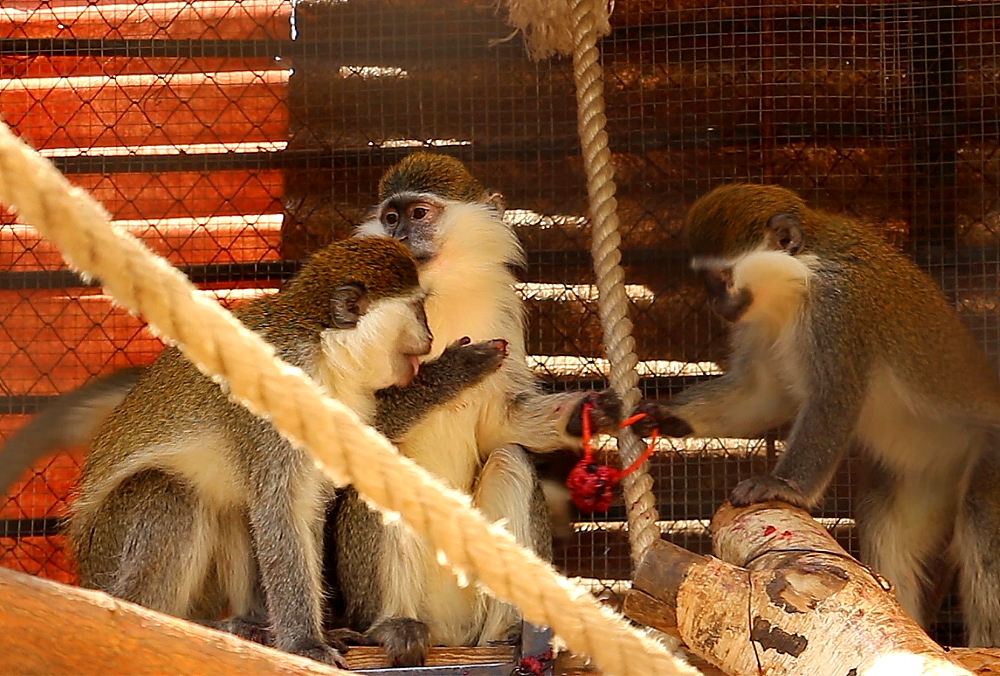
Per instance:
(390,218)
(422,211)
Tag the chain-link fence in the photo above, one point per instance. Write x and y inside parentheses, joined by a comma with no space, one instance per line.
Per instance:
(236,137)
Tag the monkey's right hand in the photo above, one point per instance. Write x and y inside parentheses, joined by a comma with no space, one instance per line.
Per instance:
(764,488)
(321,652)
(405,640)
(470,362)
(661,417)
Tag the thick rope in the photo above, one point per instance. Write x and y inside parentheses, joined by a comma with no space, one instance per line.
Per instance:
(606,241)
(347,450)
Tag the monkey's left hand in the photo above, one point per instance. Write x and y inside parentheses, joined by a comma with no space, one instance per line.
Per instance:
(660,417)
(605,415)
(767,487)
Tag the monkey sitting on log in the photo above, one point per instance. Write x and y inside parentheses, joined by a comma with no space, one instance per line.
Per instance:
(392,584)
(191,505)
(835,331)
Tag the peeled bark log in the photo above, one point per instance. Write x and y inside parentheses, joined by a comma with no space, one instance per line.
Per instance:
(806,606)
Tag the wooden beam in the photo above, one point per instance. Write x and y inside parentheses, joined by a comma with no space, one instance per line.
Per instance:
(55,629)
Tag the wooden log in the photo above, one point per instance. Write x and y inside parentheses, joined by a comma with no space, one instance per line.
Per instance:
(783,583)
(50,628)
(161,19)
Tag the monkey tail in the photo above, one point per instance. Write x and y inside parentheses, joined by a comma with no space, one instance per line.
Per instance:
(72,420)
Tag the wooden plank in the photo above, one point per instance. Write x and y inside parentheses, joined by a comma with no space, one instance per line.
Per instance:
(680,95)
(367,657)
(21,66)
(183,241)
(654,189)
(56,629)
(174,19)
(185,194)
(136,110)
(53,340)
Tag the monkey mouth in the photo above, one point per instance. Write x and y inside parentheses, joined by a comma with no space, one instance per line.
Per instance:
(414,363)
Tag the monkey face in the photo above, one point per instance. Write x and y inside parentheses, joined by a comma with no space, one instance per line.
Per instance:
(411,218)
(727,299)
(382,341)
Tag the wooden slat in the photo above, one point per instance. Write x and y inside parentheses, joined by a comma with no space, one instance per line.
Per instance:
(654,189)
(20,66)
(681,95)
(52,341)
(135,110)
(185,194)
(184,19)
(365,657)
(186,241)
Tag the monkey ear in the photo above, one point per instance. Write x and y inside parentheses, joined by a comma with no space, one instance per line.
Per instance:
(347,304)
(496,200)
(785,233)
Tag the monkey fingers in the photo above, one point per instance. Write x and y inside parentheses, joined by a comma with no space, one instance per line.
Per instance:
(767,487)
(660,417)
(342,638)
(605,414)
(405,640)
(321,652)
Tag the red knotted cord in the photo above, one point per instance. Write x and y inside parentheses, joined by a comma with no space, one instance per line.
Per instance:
(592,485)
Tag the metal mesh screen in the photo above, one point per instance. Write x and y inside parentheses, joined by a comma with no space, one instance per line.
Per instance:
(236,137)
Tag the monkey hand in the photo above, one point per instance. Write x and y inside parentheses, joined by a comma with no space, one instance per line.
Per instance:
(405,640)
(660,417)
(473,361)
(767,487)
(605,414)
(321,652)
(343,638)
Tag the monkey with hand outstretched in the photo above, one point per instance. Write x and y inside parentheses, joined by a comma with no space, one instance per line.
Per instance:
(392,585)
(191,505)
(835,331)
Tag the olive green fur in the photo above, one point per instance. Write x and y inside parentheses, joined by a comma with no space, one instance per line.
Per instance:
(432,173)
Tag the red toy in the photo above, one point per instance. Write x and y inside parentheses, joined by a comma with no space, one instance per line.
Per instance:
(591,485)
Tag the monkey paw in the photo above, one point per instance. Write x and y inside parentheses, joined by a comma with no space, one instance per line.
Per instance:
(405,640)
(321,652)
(343,638)
(605,415)
(764,488)
(660,417)
(474,360)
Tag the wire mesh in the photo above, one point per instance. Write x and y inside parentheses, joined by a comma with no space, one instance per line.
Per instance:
(236,137)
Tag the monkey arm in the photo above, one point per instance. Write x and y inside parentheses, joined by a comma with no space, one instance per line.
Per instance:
(459,367)
(837,381)
(746,401)
(548,422)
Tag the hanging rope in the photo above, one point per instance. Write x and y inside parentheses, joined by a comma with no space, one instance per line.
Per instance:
(347,451)
(558,28)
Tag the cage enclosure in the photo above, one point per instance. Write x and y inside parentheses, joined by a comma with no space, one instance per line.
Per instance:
(235,138)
